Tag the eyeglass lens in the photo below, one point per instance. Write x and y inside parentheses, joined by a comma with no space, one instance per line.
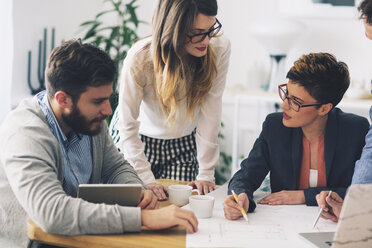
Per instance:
(292,104)
(211,33)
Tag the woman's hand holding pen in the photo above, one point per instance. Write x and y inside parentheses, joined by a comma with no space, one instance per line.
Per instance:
(232,209)
(331,205)
(288,197)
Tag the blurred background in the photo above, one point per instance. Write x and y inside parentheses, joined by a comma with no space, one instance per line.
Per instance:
(266,37)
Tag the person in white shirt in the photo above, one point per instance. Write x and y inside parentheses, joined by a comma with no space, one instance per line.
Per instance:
(168,117)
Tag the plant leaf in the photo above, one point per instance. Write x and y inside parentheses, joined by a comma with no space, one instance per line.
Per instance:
(98,40)
(115,39)
(116,5)
(133,17)
(107,28)
(104,12)
(88,23)
(113,35)
(92,31)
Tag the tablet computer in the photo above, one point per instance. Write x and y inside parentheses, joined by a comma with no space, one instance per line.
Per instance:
(121,194)
(354,225)
(319,239)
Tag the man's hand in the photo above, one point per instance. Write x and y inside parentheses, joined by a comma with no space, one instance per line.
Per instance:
(284,197)
(169,216)
(204,187)
(232,209)
(331,205)
(148,200)
(159,190)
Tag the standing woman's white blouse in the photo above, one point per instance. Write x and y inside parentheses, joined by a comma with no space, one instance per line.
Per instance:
(140,112)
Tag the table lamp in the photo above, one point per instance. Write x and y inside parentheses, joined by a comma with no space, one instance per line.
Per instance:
(277,35)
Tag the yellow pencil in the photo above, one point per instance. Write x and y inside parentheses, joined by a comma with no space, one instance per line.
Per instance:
(241,208)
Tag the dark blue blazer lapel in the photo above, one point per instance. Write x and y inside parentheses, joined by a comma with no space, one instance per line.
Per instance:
(296,154)
(330,140)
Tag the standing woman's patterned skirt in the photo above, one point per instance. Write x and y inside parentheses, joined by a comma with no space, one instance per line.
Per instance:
(169,158)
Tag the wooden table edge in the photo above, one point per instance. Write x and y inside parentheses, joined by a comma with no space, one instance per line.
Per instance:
(178,239)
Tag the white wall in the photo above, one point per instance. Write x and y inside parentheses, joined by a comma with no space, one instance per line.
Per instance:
(344,38)
(249,61)
(247,56)
(337,31)
(145,12)
(29,20)
(6,57)
(249,65)
(334,30)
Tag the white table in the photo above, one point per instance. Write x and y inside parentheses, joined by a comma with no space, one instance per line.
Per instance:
(269,226)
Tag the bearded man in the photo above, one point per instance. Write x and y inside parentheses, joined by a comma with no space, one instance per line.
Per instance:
(59,139)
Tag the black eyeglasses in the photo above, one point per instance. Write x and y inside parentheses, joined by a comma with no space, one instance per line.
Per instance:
(293,103)
(196,38)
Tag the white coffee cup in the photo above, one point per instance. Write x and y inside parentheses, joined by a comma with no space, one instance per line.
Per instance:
(202,205)
(179,194)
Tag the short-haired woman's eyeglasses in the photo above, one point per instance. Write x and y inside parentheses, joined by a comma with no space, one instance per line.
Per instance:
(293,103)
(196,38)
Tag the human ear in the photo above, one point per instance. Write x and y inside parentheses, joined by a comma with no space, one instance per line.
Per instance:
(325,108)
(63,99)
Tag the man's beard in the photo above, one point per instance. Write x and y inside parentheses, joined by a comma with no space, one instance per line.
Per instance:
(77,122)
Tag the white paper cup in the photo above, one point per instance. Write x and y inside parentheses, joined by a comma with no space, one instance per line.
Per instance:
(202,205)
(179,194)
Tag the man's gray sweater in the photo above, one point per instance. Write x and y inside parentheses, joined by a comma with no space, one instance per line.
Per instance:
(31,175)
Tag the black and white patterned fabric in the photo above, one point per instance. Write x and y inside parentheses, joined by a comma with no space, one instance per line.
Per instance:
(169,158)
(114,132)
(172,158)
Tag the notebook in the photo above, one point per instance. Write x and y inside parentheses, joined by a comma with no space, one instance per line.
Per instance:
(121,194)
(354,228)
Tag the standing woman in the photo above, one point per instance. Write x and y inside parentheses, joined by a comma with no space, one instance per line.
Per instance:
(171,86)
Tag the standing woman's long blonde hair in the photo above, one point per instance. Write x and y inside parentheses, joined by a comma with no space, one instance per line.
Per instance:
(176,77)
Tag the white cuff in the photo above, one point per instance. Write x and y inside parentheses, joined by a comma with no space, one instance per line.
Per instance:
(206,175)
(147,177)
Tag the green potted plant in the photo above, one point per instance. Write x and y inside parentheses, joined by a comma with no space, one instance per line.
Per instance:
(114,39)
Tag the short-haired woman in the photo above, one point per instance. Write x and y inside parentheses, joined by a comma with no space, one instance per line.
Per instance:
(311,146)
(170,96)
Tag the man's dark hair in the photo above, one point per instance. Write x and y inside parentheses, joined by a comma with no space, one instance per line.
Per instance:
(322,76)
(73,67)
(365,9)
